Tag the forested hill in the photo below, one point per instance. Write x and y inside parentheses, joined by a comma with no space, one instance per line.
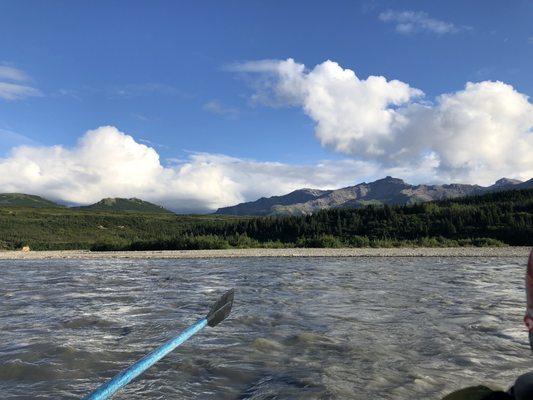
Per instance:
(491,219)
(503,216)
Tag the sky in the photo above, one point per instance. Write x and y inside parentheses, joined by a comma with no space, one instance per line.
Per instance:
(197,105)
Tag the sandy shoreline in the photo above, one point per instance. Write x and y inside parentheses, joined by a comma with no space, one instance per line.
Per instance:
(299,252)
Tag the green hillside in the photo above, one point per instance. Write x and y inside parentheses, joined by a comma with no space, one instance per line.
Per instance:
(127,205)
(25,200)
(67,228)
(492,219)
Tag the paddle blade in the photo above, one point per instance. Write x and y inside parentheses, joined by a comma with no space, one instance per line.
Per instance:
(221,309)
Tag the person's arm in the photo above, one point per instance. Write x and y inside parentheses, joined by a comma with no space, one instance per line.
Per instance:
(523,387)
(528,319)
(470,393)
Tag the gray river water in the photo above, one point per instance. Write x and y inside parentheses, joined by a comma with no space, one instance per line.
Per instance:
(360,328)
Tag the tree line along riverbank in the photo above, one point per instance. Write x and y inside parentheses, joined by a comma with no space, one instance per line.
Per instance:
(495,219)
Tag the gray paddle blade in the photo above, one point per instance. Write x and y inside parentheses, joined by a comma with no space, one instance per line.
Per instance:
(221,309)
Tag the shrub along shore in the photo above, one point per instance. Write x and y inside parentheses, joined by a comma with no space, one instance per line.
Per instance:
(495,219)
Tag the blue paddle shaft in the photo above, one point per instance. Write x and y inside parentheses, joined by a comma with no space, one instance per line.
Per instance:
(126,376)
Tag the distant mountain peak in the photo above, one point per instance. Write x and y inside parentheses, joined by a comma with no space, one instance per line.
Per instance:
(312,192)
(388,190)
(390,180)
(132,204)
(108,201)
(115,200)
(506,182)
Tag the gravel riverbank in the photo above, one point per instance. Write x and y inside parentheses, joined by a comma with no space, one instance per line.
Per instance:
(295,252)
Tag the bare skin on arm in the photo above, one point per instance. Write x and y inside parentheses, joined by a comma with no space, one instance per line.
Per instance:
(523,387)
(528,319)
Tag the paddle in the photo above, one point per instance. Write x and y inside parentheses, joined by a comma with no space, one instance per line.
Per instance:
(218,313)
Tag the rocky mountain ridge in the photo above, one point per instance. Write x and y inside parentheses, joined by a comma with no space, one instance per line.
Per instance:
(388,190)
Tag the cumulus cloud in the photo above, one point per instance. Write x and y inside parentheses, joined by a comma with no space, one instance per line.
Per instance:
(416,21)
(353,116)
(477,134)
(13,89)
(108,163)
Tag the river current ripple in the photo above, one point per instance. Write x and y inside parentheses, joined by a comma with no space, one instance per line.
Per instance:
(304,328)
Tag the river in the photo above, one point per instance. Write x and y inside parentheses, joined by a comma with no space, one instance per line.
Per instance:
(301,328)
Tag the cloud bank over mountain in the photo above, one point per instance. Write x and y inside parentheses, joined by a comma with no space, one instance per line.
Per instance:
(108,163)
(476,134)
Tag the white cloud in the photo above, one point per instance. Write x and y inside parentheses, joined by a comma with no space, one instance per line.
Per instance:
(216,107)
(480,133)
(141,89)
(475,135)
(108,163)
(12,74)
(15,91)
(416,21)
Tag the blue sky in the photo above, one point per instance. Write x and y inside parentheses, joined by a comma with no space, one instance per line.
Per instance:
(164,72)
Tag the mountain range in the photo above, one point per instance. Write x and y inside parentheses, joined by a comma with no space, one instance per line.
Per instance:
(388,190)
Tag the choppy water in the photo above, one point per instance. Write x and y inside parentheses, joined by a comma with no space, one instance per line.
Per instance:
(301,328)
